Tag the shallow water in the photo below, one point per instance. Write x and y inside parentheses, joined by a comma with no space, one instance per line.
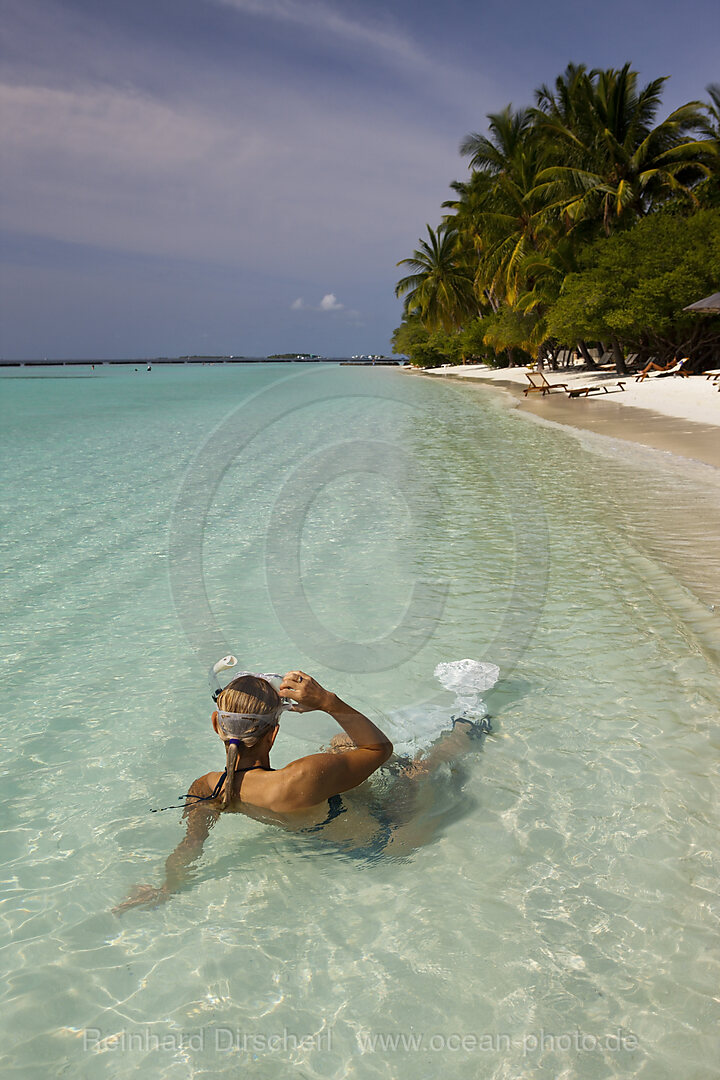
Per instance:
(555,903)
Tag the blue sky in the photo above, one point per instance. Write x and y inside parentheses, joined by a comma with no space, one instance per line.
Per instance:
(242,176)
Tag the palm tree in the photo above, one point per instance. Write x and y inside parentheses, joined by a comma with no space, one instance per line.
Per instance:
(616,166)
(441,289)
(511,226)
(500,205)
(495,154)
(708,191)
(473,198)
(502,212)
(545,273)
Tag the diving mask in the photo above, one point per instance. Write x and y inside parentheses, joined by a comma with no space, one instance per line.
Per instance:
(229,662)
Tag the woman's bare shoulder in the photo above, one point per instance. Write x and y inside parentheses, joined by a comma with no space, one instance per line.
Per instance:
(204,785)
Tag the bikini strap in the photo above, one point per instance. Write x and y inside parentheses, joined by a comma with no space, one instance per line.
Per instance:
(206,798)
(218,787)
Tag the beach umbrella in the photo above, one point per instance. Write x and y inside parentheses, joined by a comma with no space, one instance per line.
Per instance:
(709,306)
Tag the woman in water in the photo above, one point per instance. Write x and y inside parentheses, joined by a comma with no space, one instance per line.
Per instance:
(303,796)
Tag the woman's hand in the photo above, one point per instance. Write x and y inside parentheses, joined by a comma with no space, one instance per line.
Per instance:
(306,692)
(148,895)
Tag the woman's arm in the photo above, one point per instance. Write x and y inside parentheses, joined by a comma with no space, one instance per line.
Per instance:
(308,695)
(200,819)
(310,780)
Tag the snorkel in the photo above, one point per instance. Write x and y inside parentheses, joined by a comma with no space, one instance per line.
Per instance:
(225,719)
(237,730)
(225,664)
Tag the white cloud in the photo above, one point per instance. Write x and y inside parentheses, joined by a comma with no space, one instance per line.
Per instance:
(324,18)
(119,169)
(329,302)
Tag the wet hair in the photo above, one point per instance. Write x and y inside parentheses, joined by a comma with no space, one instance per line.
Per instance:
(246,694)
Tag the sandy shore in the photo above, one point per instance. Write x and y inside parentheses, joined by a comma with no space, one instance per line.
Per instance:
(674,414)
(679,417)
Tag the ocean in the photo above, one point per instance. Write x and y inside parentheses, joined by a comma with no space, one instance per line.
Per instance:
(551,906)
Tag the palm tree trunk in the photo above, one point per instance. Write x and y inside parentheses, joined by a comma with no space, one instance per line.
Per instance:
(619,357)
(585,353)
(491,299)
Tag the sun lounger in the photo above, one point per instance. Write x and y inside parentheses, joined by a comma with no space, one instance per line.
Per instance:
(539,383)
(580,391)
(651,366)
(682,367)
(653,370)
(606,362)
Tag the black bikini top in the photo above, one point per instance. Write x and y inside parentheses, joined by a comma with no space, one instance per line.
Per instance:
(335,803)
(205,798)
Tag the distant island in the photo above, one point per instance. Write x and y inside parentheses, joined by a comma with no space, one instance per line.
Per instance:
(295,356)
(312,358)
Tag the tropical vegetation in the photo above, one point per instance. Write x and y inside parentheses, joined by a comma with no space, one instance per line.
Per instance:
(584,222)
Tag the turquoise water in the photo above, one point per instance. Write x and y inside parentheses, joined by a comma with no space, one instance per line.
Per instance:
(553,909)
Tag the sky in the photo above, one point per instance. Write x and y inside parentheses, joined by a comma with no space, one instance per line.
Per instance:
(242,176)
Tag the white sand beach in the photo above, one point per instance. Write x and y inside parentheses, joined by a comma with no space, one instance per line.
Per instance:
(673,413)
(694,398)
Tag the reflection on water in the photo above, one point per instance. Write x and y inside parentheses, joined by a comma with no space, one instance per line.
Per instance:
(558,879)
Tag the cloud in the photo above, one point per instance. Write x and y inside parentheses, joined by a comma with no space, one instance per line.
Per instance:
(120,169)
(329,302)
(324,18)
(125,149)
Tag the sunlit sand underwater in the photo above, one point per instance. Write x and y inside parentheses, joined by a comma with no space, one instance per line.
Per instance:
(554,909)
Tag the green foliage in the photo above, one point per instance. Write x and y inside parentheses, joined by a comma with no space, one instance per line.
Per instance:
(509,328)
(608,162)
(408,336)
(441,289)
(520,243)
(427,349)
(423,348)
(473,344)
(448,346)
(634,285)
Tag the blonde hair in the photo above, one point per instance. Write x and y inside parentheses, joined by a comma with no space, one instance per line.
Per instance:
(246,694)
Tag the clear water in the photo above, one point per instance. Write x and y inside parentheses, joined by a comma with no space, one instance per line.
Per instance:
(555,902)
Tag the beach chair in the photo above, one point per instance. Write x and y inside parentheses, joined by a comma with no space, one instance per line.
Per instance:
(676,367)
(651,365)
(682,367)
(585,391)
(539,384)
(607,362)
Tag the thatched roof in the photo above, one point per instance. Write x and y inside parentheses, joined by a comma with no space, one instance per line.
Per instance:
(708,306)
